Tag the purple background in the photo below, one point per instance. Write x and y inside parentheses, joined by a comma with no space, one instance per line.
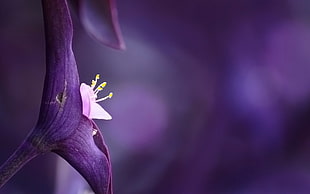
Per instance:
(211,96)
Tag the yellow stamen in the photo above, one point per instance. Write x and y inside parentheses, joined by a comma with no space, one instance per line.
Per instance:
(94,82)
(104,98)
(100,87)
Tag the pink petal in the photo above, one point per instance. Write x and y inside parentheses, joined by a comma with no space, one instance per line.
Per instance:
(97,112)
(85,91)
(91,109)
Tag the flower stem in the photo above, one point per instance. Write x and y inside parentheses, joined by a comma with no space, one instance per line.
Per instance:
(24,153)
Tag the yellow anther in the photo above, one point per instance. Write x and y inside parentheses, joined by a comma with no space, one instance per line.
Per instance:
(93,83)
(100,87)
(104,98)
(103,84)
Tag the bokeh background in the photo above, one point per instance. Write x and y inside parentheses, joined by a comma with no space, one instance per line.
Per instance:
(211,96)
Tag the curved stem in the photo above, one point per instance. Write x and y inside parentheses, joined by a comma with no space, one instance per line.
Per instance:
(24,153)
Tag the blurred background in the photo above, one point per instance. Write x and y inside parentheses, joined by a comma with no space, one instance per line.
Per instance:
(211,96)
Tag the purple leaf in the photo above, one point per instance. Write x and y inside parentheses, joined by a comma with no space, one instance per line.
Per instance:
(100,20)
(87,153)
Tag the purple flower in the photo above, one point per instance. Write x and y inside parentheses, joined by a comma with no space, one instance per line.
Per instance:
(65,124)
